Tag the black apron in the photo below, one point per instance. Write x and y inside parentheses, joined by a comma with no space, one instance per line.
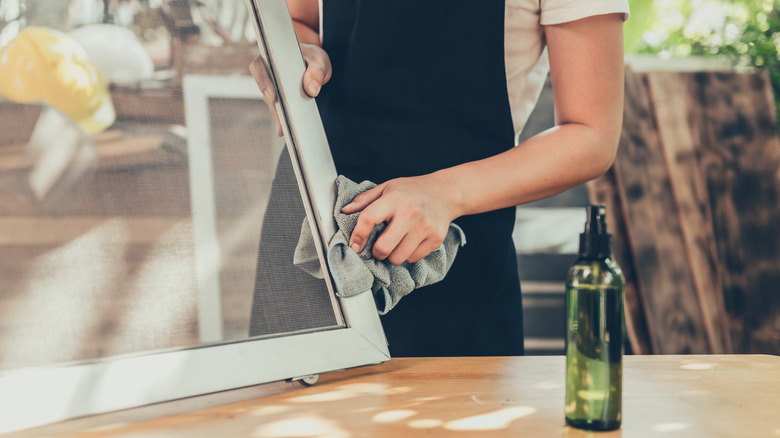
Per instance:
(417,86)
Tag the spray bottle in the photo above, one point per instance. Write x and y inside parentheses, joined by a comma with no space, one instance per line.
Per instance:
(594,330)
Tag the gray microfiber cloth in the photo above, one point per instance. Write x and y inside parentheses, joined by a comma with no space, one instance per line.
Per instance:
(355,273)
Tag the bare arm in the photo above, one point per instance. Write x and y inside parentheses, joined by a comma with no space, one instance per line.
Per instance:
(306,19)
(586,68)
(586,65)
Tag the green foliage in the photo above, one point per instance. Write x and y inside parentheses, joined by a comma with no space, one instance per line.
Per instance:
(747,32)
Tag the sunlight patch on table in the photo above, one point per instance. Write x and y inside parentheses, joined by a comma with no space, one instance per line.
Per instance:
(425,423)
(698,366)
(549,384)
(301,427)
(393,416)
(671,427)
(427,399)
(400,390)
(345,392)
(491,421)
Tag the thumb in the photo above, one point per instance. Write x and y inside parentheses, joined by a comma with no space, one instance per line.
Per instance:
(313,79)
(318,68)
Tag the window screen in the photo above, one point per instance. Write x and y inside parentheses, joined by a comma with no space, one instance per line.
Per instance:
(99,254)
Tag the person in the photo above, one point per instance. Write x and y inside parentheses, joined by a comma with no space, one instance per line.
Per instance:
(426,99)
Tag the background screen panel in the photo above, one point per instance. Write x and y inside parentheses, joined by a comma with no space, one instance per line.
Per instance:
(103,262)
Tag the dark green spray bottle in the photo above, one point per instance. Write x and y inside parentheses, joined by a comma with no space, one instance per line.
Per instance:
(594,330)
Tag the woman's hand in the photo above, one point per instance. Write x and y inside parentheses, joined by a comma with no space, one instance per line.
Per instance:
(318,71)
(417,210)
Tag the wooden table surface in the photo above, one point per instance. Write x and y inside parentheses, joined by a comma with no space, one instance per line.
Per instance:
(664,396)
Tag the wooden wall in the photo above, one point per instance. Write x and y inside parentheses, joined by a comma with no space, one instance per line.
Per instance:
(694,196)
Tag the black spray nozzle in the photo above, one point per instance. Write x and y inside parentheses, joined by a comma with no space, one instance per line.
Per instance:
(596,242)
(596,221)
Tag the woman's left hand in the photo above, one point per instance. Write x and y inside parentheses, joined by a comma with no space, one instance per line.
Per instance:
(417,210)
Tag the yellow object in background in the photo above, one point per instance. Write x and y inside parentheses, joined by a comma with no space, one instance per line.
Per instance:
(45,64)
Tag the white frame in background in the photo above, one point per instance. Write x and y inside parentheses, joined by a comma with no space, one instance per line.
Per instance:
(44,395)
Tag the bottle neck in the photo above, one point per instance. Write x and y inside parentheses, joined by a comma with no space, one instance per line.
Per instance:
(595,246)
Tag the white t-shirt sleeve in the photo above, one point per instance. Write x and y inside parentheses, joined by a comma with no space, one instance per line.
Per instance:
(562,11)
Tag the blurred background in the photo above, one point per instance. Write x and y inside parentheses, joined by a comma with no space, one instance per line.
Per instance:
(96,250)
(744,34)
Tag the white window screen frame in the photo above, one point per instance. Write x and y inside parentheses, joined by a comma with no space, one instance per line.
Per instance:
(44,395)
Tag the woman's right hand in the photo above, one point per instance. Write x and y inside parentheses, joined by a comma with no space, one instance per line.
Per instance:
(318,71)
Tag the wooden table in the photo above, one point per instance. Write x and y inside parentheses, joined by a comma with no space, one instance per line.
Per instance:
(664,396)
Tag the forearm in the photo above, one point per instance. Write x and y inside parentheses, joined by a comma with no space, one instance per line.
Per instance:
(418,210)
(586,68)
(546,164)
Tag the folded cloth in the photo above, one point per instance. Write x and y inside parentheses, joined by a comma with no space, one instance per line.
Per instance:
(354,273)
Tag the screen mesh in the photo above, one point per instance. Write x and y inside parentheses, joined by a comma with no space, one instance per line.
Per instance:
(96,243)
(97,255)
(257,186)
